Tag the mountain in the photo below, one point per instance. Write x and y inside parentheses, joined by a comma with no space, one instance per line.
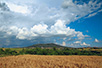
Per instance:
(49,45)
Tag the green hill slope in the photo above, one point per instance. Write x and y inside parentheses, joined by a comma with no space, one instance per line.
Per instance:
(49,45)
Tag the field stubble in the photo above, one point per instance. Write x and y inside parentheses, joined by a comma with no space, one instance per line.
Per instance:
(38,61)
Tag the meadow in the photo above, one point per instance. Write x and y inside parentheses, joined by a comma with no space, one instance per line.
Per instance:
(46,61)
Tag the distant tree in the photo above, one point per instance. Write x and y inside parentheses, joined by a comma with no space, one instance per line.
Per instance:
(54,48)
(1,51)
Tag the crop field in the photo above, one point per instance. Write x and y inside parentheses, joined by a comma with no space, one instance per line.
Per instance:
(42,61)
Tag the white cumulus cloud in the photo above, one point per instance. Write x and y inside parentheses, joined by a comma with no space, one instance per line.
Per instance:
(96,40)
(84,44)
(42,30)
(77,42)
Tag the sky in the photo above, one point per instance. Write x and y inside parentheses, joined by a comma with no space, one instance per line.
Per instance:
(71,23)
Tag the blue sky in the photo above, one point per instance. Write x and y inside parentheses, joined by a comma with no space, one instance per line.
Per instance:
(72,23)
(91,26)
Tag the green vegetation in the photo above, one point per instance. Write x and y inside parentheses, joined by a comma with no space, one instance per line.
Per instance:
(49,45)
(51,51)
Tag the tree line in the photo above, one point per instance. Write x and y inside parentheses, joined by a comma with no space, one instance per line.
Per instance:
(53,51)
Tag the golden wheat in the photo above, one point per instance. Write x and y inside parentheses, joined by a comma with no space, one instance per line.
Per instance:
(38,61)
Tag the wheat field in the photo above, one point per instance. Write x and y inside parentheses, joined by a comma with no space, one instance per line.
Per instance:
(38,61)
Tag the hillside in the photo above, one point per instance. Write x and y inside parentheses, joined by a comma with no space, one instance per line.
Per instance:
(49,45)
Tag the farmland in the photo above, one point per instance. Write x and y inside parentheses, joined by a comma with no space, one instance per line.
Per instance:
(42,61)
(51,58)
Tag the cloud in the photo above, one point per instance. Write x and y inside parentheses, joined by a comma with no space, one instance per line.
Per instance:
(84,44)
(67,3)
(96,40)
(87,36)
(63,43)
(64,38)
(87,31)
(75,10)
(77,42)
(92,14)
(33,13)
(41,30)
(18,8)
(28,20)
(80,35)
(4,7)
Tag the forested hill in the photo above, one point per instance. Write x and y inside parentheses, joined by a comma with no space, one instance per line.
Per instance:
(49,45)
